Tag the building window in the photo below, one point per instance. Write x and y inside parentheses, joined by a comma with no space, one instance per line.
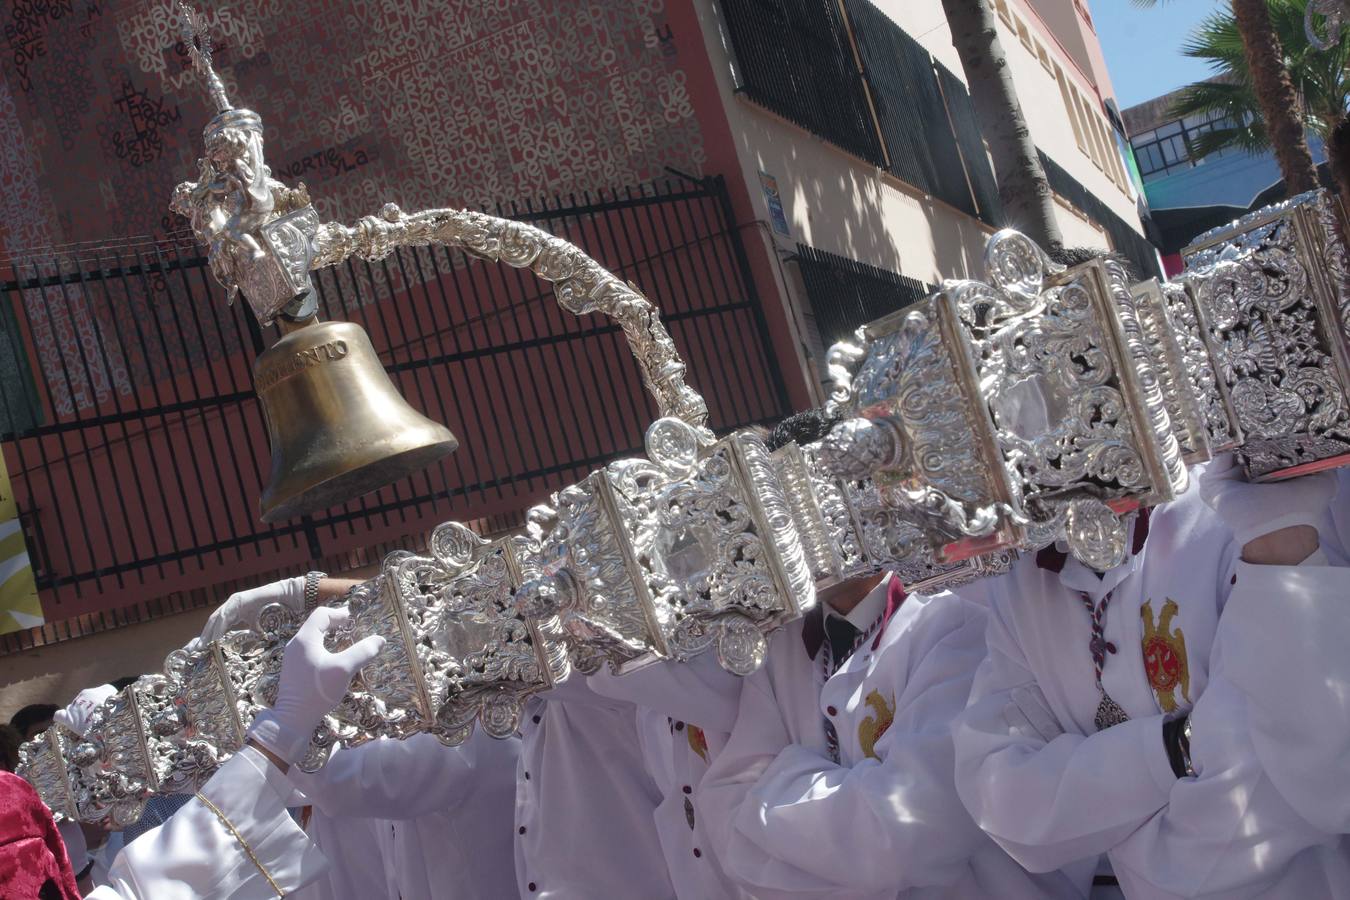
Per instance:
(1093,139)
(796,59)
(1044,57)
(1069,109)
(1109,155)
(1003,12)
(1024,34)
(1166,149)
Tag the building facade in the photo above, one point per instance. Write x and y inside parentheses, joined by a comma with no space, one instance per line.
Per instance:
(1189,194)
(772,173)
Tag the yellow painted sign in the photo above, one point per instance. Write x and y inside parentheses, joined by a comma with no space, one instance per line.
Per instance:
(19,606)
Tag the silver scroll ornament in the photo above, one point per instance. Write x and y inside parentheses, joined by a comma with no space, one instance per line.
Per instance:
(457,650)
(849,531)
(690,550)
(1333,15)
(166,732)
(1272,308)
(1011,412)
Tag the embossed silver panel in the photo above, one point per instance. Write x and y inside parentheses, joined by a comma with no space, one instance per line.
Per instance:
(1160,337)
(849,531)
(1023,407)
(912,374)
(1272,298)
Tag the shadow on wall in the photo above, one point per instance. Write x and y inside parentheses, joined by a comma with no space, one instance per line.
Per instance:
(958,242)
(831,200)
(842,205)
(57,672)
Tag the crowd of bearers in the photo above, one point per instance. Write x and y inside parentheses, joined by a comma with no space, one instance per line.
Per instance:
(1176,726)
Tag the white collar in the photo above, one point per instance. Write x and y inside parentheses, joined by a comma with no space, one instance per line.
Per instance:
(869,609)
(1080,578)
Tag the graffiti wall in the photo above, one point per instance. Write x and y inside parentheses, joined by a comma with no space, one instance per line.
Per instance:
(420,102)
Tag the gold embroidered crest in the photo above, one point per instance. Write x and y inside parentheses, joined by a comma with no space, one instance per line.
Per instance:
(872,728)
(1165,656)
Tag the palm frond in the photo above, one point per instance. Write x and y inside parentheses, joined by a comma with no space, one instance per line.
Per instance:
(1247,138)
(1214,97)
(1320,78)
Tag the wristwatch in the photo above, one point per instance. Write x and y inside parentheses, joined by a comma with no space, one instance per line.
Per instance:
(1186,748)
(312,580)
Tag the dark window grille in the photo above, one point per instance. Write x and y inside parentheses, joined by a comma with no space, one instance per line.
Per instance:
(845,294)
(971,140)
(913,119)
(794,57)
(139,470)
(1128,242)
(20,409)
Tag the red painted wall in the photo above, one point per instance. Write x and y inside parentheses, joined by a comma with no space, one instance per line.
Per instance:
(422,103)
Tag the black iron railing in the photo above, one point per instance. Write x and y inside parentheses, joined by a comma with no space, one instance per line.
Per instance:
(890,103)
(137,449)
(845,293)
(1124,239)
(795,58)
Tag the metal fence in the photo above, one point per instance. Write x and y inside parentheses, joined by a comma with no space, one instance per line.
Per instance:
(888,102)
(137,449)
(845,294)
(1124,239)
(795,57)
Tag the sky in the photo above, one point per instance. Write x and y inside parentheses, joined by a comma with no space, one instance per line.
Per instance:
(1143,46)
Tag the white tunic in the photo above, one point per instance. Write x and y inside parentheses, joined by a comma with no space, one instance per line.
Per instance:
(1289,659)
(196,856)
(585,801)
(583,804)
(1050,788)
(684,715)
(885,820)
(357,866)
(451,806)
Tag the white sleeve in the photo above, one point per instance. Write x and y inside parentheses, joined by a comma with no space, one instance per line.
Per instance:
(1049,798)
(234,840)
(698,691)
(393,779)
(788,822)
(1284,636)
(1226,833)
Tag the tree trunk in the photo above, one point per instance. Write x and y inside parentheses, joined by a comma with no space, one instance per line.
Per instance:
(1275,94)
(1338,158)
(1028,204)
(1338,161)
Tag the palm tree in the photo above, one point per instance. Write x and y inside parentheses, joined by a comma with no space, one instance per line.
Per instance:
(1319,91)
(1261,54)
(1022,186)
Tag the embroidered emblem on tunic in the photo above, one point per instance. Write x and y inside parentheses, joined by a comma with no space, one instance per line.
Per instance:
(873,727)
(1165,656)
(698,741)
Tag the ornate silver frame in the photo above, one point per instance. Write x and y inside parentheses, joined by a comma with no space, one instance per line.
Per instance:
(1088,439)
(1272,299)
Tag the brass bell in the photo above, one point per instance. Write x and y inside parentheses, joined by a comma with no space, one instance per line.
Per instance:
(337,425)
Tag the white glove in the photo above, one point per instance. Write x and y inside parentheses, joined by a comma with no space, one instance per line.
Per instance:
(1252,510)
(76,716)
(313,682)
(241,609)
